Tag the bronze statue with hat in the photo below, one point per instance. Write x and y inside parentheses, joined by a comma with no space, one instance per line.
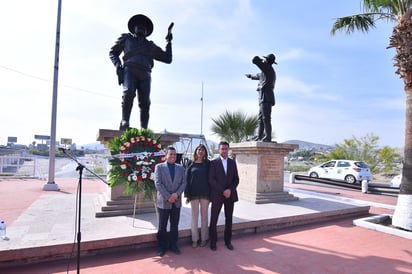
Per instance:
(134,70)
(266,86)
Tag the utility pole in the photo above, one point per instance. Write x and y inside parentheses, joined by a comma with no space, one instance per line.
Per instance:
(51,185)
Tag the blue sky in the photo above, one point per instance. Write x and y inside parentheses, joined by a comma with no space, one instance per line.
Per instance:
(328,88)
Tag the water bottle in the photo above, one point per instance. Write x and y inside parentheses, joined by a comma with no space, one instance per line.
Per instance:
(3,230)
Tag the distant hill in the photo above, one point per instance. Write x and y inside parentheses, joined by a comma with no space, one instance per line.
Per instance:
(308,145)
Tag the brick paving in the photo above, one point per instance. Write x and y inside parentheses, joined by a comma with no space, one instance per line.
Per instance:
(335,246)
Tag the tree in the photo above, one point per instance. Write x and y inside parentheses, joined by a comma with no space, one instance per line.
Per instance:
(388,157)
(235,127)
(366,149)
(399,12)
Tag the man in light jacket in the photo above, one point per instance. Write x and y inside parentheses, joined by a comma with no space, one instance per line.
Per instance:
(170,182)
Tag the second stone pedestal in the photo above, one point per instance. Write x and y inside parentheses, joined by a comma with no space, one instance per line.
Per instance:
(260,166)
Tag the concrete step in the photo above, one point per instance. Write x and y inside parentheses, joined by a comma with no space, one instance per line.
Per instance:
(270,197)
(123,212)
(123,206)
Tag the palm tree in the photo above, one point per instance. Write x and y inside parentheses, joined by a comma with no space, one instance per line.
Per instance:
(399,12)
(235,127)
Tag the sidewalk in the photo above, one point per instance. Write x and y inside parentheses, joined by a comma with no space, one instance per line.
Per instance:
(312,235)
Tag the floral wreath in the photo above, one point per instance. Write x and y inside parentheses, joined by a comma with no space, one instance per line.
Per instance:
(134,157)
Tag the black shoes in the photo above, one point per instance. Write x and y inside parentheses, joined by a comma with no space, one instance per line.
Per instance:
(176,250)
(214,247)
(229,246)
(124,125)
(267,139)
(161,252)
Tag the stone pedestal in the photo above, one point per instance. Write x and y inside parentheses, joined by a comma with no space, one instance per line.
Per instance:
(117,198)
(260,166)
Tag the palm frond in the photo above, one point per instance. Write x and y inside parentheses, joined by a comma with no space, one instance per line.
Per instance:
(362,22)
(373,10)
(234,126)
(392,7)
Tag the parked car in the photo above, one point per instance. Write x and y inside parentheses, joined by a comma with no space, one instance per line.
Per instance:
(346,170)
(396,181)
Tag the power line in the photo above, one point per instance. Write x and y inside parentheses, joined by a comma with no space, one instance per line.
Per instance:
(25,74)
(63,85)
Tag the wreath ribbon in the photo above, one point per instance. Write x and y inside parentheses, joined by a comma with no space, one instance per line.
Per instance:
(138,154)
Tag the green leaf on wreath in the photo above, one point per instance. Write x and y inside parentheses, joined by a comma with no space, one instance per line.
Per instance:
(134,157)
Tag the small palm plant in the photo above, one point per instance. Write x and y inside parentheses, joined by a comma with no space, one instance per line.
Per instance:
(235,127)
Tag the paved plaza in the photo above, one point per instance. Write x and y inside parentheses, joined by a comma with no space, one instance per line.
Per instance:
(315,234)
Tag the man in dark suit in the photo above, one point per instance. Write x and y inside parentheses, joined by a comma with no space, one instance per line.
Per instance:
(170,182)
(223,180)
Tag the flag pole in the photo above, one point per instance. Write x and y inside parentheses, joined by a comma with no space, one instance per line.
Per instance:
(201,113)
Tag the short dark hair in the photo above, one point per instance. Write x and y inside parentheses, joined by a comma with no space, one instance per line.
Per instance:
(223,143)
(170,148)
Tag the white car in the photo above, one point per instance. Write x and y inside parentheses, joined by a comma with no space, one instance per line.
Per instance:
(396,181)
(345,170)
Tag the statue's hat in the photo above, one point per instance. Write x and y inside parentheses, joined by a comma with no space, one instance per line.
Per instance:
(271,58)
(140,19)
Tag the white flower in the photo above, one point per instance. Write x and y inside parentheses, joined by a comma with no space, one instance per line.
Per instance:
(123,166)
(132,177)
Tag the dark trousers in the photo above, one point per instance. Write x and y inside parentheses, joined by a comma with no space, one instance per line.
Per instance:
(214,215)
(265,120)
(163,237)
(140,81)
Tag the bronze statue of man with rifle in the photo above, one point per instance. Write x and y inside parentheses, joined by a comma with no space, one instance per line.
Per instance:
(134,73)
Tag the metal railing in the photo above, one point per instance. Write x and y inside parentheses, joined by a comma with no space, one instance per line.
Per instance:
(371,187)
(17,165)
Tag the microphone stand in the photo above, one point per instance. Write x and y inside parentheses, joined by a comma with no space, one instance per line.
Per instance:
(80,168)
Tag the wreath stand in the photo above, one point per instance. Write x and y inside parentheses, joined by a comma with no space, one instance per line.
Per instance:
(135,204)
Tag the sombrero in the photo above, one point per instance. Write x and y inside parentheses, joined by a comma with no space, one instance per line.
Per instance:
(140,19)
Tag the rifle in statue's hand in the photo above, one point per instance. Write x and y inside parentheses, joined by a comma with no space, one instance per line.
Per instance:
(169,36)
